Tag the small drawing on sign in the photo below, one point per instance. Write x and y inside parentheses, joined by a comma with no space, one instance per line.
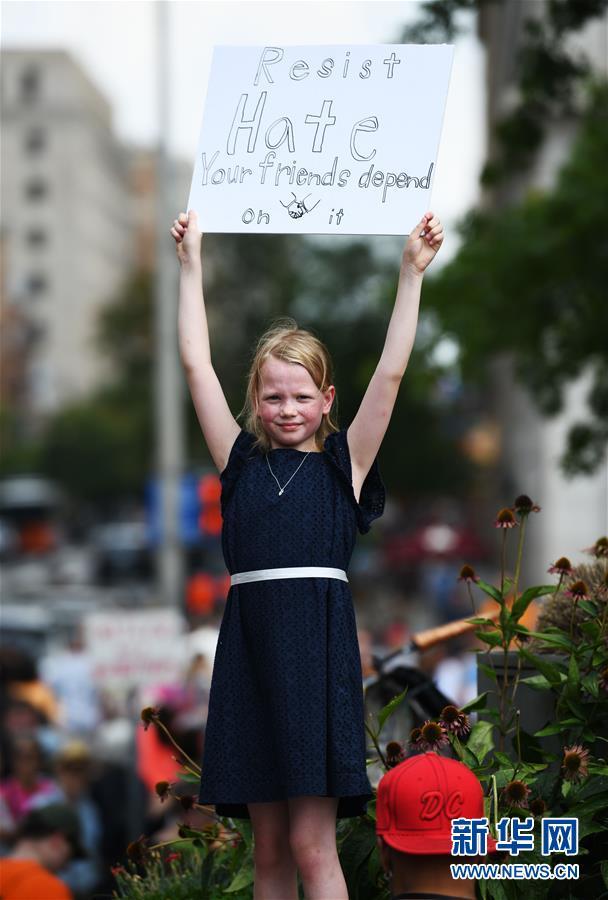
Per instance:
(296,208)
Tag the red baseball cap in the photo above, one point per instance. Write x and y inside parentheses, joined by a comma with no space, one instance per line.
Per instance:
(418,799)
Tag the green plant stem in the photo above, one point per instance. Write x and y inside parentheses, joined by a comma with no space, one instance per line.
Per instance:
(520,549)
(471,596)
(495,800)
(503,562)
(518,744)
(197,768)
(374,738)
(574,605)
(517,677)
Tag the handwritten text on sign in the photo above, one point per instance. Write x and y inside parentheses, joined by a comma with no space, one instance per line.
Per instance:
(320,139)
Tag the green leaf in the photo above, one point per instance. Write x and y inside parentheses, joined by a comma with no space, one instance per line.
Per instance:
(589,607)
(489,671)
(503,759)
(481,620)
(493,638)
(590,684)
(242,879)
(604,869)
(537,682)
(573,671)
(478,703)
(557,727)
(553,639)
(490,590)
(481,740)
(189,778)
(550,671)
(387,711)
(523,602)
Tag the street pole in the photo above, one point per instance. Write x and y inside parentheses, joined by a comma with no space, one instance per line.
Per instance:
(169,384)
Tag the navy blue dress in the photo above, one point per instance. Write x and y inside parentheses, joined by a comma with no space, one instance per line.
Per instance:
(286,702)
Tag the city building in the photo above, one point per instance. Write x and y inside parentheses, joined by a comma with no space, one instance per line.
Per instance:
(79,216)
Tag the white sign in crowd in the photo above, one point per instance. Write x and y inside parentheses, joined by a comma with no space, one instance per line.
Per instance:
(320,139)
(142,648)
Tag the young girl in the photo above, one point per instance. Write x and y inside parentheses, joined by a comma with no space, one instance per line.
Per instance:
(285,738)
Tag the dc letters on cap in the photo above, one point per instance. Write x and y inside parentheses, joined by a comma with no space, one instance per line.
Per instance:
(321,139)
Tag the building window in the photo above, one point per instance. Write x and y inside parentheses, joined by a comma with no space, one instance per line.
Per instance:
(30,83)
(35,140)
(36,237)
(36,284)
(36,189)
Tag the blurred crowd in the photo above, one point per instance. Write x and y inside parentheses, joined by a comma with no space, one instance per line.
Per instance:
(78,773)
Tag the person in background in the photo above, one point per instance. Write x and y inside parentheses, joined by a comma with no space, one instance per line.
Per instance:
(417,799)
(26,783)
(73,768)
(47,839)
(70,675)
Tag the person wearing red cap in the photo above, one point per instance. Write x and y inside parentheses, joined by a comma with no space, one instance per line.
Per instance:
(416,803)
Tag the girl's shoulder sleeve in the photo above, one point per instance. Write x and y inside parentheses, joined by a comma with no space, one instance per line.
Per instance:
(373,493)
(241,451)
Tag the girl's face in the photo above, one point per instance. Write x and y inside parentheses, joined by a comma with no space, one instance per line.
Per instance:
(290,405)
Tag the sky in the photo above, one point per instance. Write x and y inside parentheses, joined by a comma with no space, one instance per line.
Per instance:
(117,45)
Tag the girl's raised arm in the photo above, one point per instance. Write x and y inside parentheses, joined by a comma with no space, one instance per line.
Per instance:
(220,428)
(369,426)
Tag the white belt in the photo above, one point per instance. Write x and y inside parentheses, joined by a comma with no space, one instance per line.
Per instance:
(288,572)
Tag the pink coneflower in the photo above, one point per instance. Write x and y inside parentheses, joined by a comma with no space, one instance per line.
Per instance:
(394,754)
(455,721)
(433,736)
(148,715)
(163,790)
(538,807)
(578,590)
(574,763)
(138,850)
(599,549)
(524,506)
(415,735)
(467,573)
(561,567)
(516,793)
(505,519)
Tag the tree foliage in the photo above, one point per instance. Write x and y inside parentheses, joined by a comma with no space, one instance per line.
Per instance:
(530,277)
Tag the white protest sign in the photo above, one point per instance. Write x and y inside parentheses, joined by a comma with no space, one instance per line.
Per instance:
(135,649)
(320,139)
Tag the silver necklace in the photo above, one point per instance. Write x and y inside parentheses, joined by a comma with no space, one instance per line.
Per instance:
(281,489)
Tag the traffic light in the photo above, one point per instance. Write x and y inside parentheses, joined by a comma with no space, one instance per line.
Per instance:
(200,515)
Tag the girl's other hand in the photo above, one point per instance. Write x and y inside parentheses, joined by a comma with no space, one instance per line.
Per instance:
(187,237)
(423,243)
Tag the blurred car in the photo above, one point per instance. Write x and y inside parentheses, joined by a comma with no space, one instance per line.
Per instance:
(121,551)
(32,505)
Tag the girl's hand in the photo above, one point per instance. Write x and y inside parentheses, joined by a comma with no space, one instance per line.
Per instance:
(187,236)
(423,243)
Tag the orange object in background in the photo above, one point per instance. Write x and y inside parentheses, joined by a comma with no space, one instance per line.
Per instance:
(200,594)
(209,493)
(203,590)
(155,760)
(37,537)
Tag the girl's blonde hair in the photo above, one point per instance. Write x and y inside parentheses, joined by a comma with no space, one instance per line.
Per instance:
(285,341)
